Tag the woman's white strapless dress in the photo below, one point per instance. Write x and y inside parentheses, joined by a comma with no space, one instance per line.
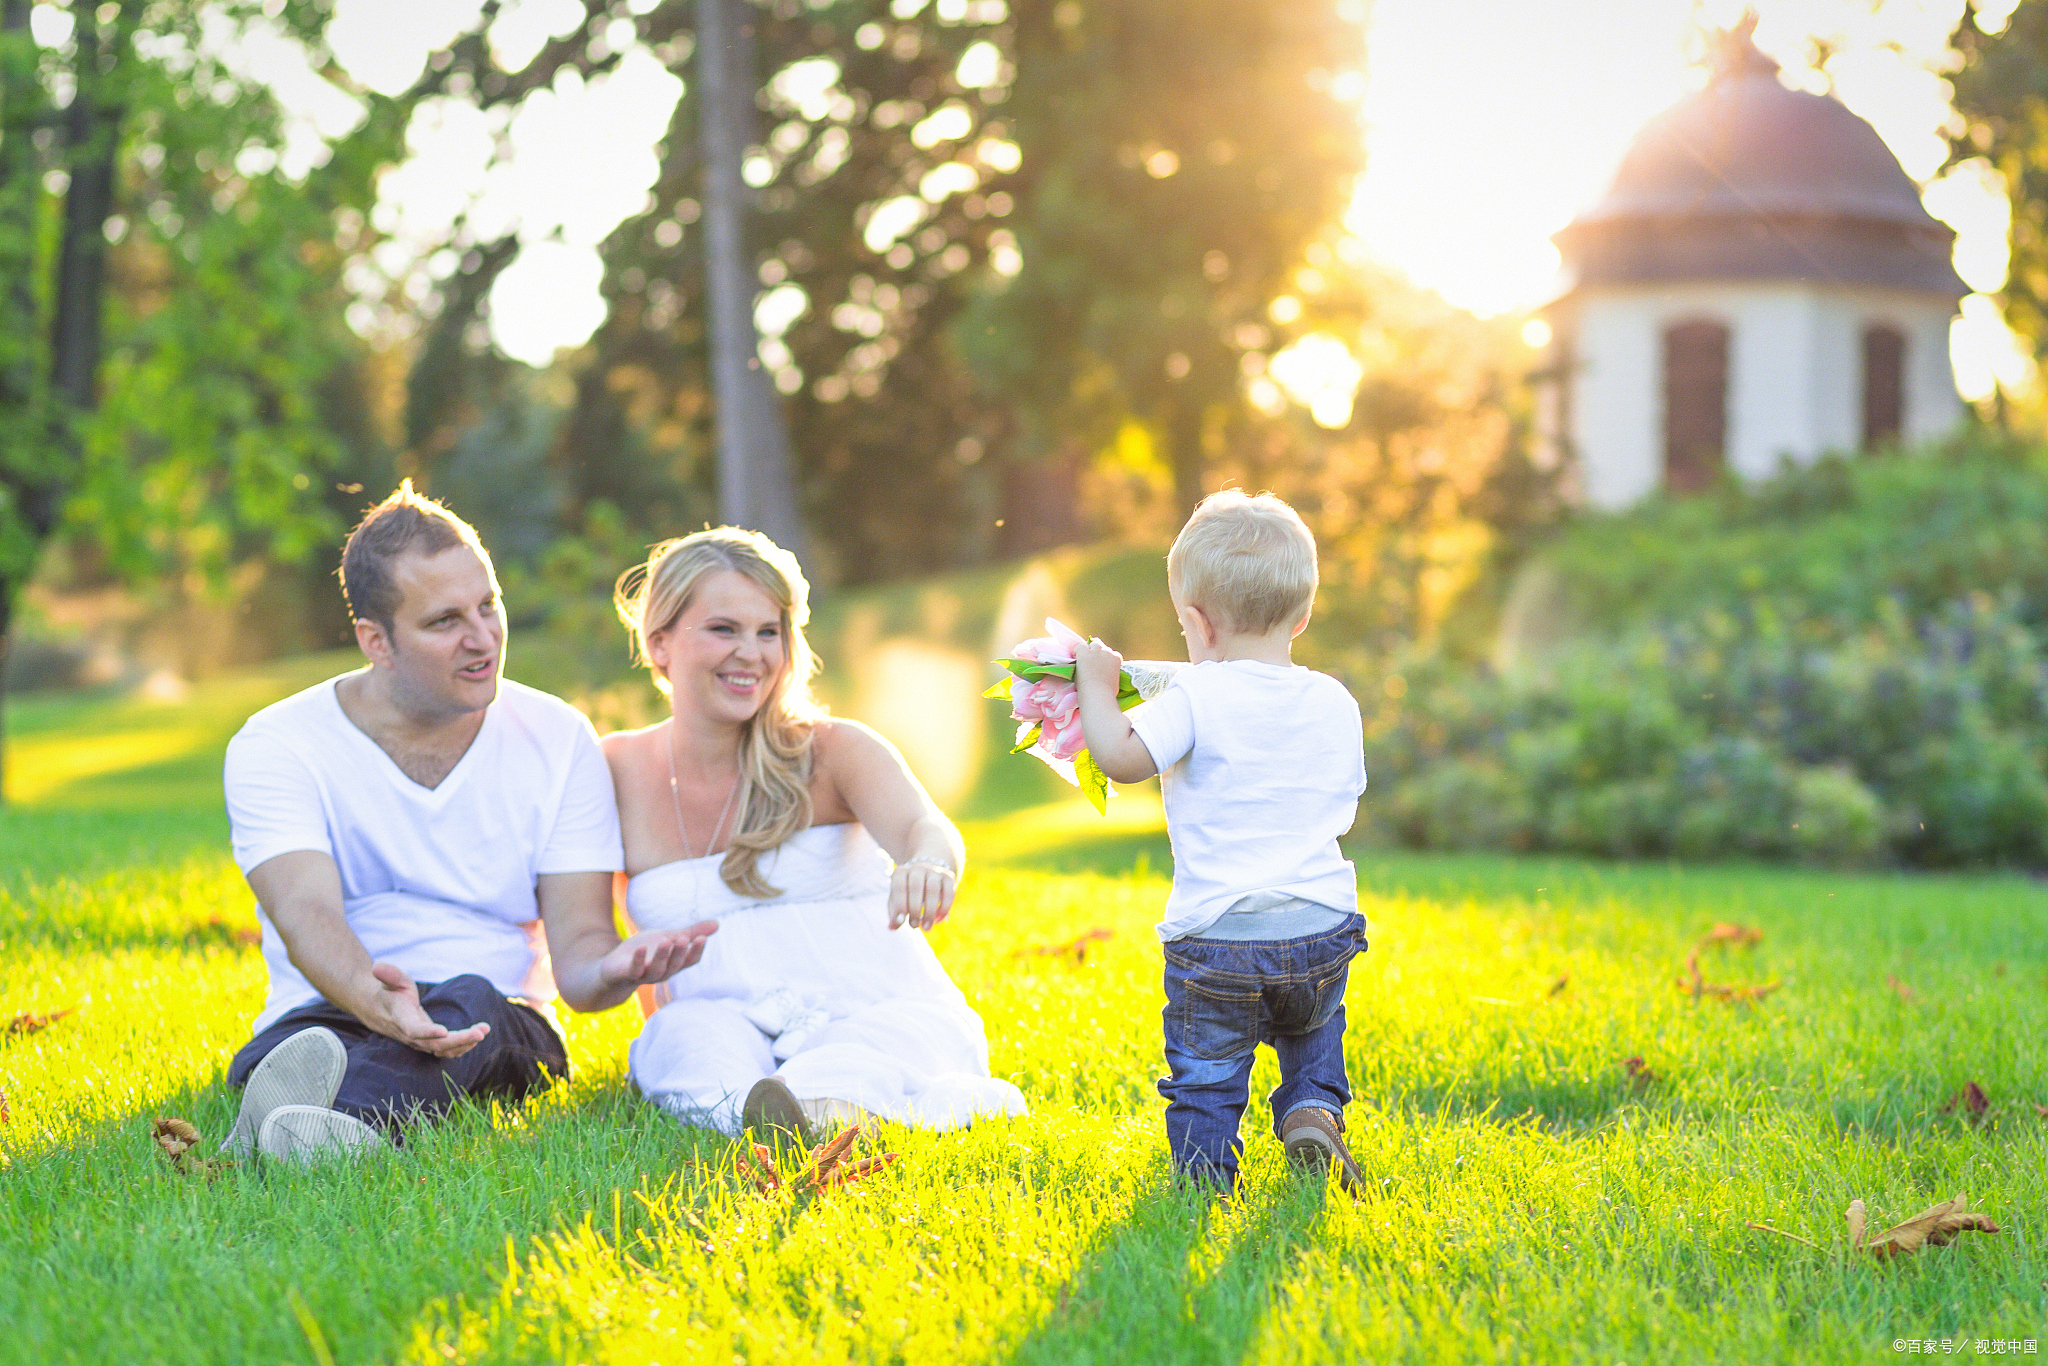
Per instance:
(892,1034)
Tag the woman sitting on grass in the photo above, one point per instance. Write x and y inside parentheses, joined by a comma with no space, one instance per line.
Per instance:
(752,813)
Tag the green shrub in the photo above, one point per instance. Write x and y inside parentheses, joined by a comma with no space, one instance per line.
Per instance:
(1845,664)
(1834,542)
(1915,742)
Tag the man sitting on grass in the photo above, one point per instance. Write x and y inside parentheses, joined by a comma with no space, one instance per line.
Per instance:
(406,829)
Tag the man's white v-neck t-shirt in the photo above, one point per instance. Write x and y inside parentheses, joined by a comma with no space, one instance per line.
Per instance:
(440,881)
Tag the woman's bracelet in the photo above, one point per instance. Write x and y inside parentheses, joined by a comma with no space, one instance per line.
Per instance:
(937,863)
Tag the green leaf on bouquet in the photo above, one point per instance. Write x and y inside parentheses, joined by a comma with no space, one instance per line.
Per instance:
(1092,781)
(1126,700)
(1032,669)
(1027,739)
(1000,689)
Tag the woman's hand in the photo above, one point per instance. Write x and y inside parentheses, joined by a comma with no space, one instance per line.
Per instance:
(865,772)
(921,893)
(654,955)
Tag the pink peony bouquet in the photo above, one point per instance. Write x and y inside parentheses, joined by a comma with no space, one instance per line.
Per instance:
(1039,686)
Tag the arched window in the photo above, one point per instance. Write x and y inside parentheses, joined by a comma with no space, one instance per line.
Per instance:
(1695,404)
(1884,385)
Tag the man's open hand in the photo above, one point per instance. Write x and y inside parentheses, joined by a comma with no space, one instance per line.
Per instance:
(395,1012)
(654,955)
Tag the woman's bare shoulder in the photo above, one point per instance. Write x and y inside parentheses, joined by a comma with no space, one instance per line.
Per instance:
(842,752)
(839,739)
(623,746)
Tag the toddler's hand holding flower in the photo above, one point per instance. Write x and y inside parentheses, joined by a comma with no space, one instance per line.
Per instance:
(1098,666)
(1042,683)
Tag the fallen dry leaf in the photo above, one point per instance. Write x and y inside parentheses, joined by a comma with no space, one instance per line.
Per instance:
(1971,1100)
(827,1167)
(1640,1073)
(757,1162)
(1696,986)
(827,1157)
(1075,948)
(175,1136)
(1557,988)
(6,1115)
(2039,1108)
(240,934)
(867,1166)
(182,1146)
(1904,992)
(26,1023)
(1725,933)
(1935,1226)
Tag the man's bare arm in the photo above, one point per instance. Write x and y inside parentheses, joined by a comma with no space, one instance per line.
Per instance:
(301,893)
(594,969)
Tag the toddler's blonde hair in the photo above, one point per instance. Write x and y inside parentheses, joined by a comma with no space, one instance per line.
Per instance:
(1248,562)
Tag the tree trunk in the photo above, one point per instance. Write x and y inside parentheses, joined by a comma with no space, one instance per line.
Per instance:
(755,485)
(20,100)
(91,132)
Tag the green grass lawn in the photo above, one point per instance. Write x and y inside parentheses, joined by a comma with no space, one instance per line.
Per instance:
(1529,1203)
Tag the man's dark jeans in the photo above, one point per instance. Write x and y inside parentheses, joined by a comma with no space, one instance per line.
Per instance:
(1226,997)
(388,1082)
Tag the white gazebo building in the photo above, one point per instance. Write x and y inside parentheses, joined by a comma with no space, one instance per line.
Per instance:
(1760,283)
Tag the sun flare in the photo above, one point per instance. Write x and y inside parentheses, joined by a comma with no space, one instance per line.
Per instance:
(1490,125)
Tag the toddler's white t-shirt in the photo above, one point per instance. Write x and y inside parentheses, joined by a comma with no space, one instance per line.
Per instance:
(1261,767)
(440,881)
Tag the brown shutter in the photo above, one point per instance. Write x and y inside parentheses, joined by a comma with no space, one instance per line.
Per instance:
(1884,385)
(1695,404)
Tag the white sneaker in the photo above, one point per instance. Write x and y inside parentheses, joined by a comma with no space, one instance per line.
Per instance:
(314,1133)
(773,1012)
(798,1032)
(305,1069)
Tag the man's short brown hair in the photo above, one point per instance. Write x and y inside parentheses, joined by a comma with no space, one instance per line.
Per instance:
(406,523)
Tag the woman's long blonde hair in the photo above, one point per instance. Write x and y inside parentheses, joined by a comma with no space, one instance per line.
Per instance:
(775,745)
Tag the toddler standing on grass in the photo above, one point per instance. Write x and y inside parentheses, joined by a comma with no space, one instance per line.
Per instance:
(1261,763)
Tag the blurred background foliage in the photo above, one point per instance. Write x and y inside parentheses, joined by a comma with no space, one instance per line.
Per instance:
(1845,664)
(1034,275)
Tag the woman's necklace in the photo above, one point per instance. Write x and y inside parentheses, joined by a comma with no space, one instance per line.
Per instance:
(675,796)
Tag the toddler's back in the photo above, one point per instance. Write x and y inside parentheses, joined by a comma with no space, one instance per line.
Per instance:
(1261,767)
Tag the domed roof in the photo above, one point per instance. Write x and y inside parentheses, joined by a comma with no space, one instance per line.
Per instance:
(1748,179)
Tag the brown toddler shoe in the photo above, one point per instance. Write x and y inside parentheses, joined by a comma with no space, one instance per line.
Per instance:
(1314,1138)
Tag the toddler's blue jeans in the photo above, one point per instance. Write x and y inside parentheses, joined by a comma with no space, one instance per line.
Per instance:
(1225,997)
